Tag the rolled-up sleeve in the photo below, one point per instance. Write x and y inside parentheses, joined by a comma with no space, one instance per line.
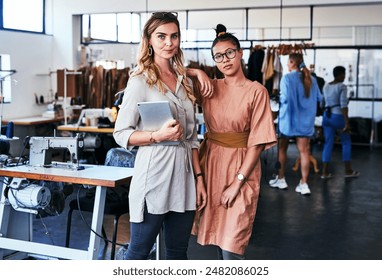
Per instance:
(128,119)
(189,123)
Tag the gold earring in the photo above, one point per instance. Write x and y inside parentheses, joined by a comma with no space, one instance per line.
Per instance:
(150,50)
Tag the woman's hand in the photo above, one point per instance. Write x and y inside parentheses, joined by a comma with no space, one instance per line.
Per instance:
(206,87)
(170,131)
(346,129)
(201,194)
(229,194)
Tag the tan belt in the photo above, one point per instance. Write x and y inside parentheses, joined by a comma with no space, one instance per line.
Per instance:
(224,139)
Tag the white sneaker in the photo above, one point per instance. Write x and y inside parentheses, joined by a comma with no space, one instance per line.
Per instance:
(272,181)
(303,189)
(278,183)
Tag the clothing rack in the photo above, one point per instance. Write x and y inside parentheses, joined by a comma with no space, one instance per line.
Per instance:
(285,49)
(282,49)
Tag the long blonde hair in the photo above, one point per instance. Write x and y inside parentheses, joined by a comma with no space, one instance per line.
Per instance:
(305,74)
(145,59)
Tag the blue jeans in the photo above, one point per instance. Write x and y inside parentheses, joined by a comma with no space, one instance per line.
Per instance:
(226,255)
(176,229)
(330,126)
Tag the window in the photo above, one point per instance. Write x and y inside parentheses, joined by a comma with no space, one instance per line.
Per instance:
(129,27)
(118,27)
(26,15)
(121,27)
(370,69)
(103,26)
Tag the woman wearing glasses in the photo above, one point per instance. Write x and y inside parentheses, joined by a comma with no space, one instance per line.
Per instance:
(240,126)
(163,191)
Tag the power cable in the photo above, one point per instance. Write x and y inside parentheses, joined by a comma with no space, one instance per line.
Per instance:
(87,224)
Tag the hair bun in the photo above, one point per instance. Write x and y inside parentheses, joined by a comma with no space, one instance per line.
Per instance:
(220,30)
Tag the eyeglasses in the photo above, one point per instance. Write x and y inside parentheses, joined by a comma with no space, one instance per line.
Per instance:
(162,15)
(219,57)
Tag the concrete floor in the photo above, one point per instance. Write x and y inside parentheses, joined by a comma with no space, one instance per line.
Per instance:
(341,220)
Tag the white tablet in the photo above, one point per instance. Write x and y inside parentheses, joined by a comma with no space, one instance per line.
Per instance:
(154,114)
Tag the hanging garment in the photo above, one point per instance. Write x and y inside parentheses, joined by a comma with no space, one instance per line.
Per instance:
(278,72)
(255,62)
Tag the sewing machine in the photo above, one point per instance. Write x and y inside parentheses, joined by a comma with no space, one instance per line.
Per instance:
(91,116)
(24,191)
(41,149)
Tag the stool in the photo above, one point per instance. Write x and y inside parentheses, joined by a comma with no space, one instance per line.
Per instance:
(115,207)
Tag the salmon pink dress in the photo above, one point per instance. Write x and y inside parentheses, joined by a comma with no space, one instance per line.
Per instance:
(233,109)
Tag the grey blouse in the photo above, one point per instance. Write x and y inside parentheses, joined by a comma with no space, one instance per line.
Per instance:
(163,175)
(336,95)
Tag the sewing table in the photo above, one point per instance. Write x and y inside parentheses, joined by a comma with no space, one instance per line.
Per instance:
(99,176)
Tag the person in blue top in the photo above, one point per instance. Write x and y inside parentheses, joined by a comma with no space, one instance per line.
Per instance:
(299,94)
(336,119)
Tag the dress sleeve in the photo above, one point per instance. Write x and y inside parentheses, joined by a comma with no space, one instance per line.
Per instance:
(262,128)
(316,89)
(128,116)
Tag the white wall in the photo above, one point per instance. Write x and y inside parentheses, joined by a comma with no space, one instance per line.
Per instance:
(36,54)
(30,55)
